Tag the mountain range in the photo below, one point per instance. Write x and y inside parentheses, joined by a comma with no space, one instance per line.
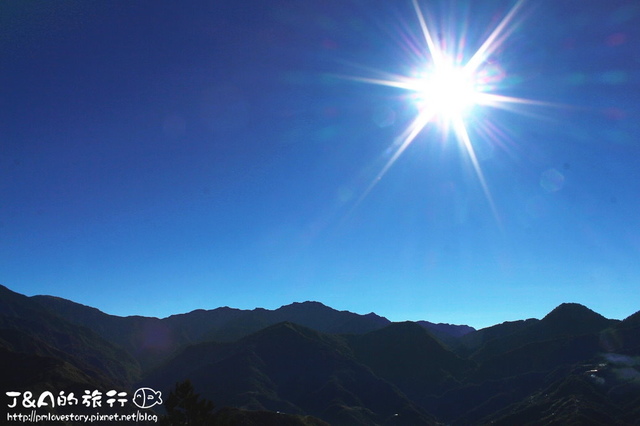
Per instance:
(309,364)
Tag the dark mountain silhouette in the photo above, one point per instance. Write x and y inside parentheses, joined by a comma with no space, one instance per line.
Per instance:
(27,328)
(571,319)
(470,342)
(293,369)
(519,359)
(441,329)
(568,319)
(406,355)
(632,319)
(574,399)
(448,334)
(152,340)
(309,314)
(314,364)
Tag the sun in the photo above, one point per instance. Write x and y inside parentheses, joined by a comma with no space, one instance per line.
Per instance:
(446,91)
(451,84)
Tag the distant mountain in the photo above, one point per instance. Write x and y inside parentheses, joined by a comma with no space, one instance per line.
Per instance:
(448,334)
(632,319)
(314,315)
(568,319)
(470,342)
(27,328)
(574,399)
(292,369)
(441,329)
(571,319)
(152,340)
(518,360)
(408,356)
(317,364)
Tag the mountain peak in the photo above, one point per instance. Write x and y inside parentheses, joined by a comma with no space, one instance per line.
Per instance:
(569,311)
(306,304)
(574,318)
(632,319)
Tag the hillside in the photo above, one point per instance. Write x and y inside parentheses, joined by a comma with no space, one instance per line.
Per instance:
(317,364)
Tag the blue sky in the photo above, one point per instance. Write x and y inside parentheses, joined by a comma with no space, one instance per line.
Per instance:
(157,157)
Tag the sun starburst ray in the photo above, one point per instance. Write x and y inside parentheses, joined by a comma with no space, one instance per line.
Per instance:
(495,100)
(407,137)
(493,41)
(400,82)
(435,52)
(448,90)
(463,135)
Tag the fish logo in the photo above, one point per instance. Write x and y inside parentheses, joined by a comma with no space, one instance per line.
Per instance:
(147,398)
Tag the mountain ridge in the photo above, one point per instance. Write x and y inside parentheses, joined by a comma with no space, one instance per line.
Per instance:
(151,340)
(307,359)
(454,329)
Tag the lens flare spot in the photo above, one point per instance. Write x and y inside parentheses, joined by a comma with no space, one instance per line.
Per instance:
(616,39)
(577,79)
(552,180)
(384,116)
(614,77)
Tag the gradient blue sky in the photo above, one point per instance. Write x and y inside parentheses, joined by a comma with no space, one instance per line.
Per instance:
(158,157)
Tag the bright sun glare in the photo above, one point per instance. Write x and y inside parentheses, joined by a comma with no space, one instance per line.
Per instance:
(448,89)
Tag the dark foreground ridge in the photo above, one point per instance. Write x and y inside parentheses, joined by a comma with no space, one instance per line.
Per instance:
(308,364)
